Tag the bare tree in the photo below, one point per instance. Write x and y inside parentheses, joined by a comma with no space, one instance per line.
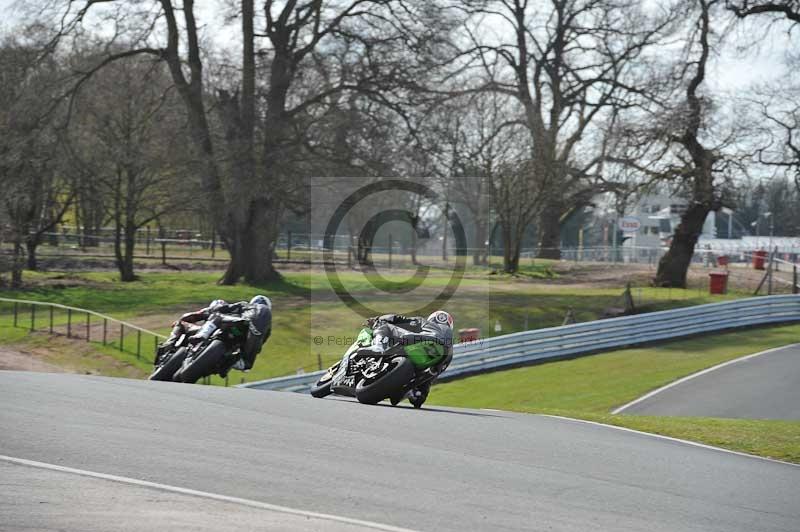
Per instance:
(781,148)
(698,161)
(34,193)
(248,175)
(790,9)
(480,145)
(124,144)
(567,65)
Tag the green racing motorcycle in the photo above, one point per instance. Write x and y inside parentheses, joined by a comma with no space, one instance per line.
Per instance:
(371,378)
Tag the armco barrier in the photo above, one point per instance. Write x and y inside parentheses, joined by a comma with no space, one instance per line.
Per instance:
(530,347)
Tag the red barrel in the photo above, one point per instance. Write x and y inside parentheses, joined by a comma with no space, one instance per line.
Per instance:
(759,258)
(718,282)
(722,260)
(469,335)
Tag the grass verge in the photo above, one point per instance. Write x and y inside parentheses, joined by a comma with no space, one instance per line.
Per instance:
(305,308)
(589,387)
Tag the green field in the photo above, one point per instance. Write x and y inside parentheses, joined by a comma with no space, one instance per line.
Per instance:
(304,307)
(590,387)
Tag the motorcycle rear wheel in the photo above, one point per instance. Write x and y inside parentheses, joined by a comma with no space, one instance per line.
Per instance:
(390,383)
(206,363)
(166,371)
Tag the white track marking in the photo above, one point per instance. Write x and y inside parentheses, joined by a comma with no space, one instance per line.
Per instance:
(669,438)
(699,373)
(207,495)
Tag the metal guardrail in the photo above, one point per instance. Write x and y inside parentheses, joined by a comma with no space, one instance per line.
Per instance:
(569,341)
(72,327)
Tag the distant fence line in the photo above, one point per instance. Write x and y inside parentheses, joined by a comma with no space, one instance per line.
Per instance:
(177,245)
(23,313)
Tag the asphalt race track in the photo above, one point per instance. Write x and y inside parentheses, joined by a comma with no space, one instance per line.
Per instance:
(762,387)
(434,469)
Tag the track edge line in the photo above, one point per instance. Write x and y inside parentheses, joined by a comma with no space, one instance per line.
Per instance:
(204,494)
(673,439)
(691,376)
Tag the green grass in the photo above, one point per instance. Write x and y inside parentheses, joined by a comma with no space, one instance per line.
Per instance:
(586,388)
(590,387)
(304,307)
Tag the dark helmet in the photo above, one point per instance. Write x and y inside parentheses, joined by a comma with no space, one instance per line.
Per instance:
(261,300)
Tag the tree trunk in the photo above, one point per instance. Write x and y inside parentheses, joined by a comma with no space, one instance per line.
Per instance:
(252,249)
(31,244)
(413,247)
(550,233)
(511,249)
(16,266)
(674,264)
(479,252)
(126,272)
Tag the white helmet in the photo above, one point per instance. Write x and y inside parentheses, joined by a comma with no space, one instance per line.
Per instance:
(261,300)
(441,317)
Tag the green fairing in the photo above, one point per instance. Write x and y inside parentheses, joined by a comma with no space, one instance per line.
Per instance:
(425,354)
(364,337)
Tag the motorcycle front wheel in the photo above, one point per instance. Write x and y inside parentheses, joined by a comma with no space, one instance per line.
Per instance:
(322,388)
(389,383)
(166,371)
(205,364)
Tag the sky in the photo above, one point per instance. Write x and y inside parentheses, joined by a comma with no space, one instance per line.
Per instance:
(732,71)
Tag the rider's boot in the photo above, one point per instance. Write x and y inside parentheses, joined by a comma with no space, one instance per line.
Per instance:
(418,396)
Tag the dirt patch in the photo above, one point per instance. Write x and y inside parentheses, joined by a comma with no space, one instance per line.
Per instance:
(42,352)
(11,359)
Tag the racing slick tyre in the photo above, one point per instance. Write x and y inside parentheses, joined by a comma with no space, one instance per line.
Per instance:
(206,363)
(166,371)
(387,384)
(322,388)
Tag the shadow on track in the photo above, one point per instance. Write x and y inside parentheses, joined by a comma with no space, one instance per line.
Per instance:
(409,407)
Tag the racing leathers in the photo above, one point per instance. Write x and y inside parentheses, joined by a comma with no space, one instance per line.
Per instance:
(392,329)
(258,316)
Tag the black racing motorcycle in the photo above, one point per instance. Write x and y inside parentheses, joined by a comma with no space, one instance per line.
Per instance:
(388,375)
(168,362)
(214,349)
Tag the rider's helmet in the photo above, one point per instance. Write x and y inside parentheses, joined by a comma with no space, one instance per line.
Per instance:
(442,318)
(216,304)
(261,300)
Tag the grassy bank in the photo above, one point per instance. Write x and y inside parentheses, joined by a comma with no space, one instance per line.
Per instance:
(590,387)
(305,308)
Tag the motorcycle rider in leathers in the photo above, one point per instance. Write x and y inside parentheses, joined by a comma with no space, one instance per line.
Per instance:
(258,312)
(392,329)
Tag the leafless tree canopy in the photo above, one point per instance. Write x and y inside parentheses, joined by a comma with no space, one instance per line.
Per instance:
(128,113)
